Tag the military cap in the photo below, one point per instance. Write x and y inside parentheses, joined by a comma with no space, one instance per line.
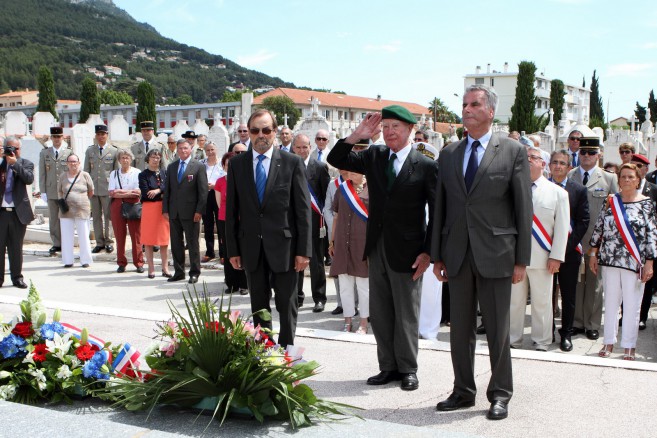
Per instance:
(56,130)
(638,158)
(101,128)
(589,143)
(189,134)
(426,149)
(147,125)
(398,112)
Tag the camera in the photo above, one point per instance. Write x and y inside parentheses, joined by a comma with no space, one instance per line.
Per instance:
(9,150)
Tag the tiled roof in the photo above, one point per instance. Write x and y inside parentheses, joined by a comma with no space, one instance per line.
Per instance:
(443,128)
(18,93)
(333,100)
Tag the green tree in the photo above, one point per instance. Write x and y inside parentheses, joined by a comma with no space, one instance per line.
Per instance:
(89,99)
(281,105)
(184,99)
(652,104)
(557,98)
(232,96)
(146,101)
(441,113)
(111,97)
(522,111)
(596,114)
(640,113)
(47,98)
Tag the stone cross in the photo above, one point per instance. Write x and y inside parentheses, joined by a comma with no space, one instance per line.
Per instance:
(285,117)
(314,102)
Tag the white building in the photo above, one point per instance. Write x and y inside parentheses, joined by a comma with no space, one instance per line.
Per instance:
(505,82)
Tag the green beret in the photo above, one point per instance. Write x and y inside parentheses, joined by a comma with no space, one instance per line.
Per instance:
(589,143)
(398,112)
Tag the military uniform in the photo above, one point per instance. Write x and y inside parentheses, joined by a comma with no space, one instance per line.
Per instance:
(169,156)
(139,151)
(99,166)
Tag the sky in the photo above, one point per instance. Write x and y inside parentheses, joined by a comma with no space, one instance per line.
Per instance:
(415,50)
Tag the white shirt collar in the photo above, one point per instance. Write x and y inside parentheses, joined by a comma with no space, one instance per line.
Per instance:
(402,154)
(267,154)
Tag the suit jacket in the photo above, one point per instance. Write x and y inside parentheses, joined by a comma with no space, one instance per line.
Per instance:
(50,168)
(318,179)
(579,218)
(650,190)
(139,151)
(23,176)
(652,177)
(495,216)
(99,167)
(551,208)
(190,195)
(281,225)
(247,144)
(398,216)
(600,185)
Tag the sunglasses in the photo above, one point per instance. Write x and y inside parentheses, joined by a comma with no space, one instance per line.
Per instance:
(239,152)
(639,165)
(574,138)
(256,131)
(625,152)
(583,152)
(242,130)
(321,138)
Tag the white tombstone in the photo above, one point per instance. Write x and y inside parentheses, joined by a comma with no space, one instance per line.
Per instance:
(219,136)
(180,128)
(30,150)
(119,129)
(16,123)
(200,127)
(41,123)
(93,120)
(82,136)
(162,138)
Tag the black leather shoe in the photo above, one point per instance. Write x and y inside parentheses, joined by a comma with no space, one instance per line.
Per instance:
(55,249)
(19,284)
(384,377)
(120,269)
(319,307)
(592,334)
(68,266)
(498,411)
(140,270)
(299,302)
(642,325)
(86,265)
(97,249)
(409,382)
(177,277)
(577,331)
(481,330)
(193,279)
(337,311)
(109,248)
(156,248)
(566,344)
(454,402)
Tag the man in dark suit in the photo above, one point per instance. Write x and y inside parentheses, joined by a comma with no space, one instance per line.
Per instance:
(560,164)
(243,134)
(318,180)
(268,223)
(183,204)
(482,243)
(15,211)
(401,181)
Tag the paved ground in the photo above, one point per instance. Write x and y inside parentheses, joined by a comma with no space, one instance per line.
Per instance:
(567,394)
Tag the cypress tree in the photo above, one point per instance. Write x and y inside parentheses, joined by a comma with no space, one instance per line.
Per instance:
(47,98)
(89,98)
(596,114)
(146,103)
(522,111)
(557,98)
(652,104)
(640,113)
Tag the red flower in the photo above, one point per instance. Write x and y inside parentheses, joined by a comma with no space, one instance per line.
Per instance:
(151,375)
(217,326)
(23,329)
(86,351)
(39,353)
(185,332)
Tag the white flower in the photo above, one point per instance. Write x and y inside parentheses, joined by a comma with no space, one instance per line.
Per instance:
(60,345)
(7,392)
(29,358)
(40,378)
(4,374)
(64,372)
(75,362)
(152,348)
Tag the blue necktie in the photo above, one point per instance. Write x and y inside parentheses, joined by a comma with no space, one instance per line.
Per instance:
(9,186)
(473,165)
(319,155)
(575,164)
(261,178)
(181,171)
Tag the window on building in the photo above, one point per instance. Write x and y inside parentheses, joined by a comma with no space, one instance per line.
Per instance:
(340,114)
(538,104)
(479,81)
(492,82)
(327,114)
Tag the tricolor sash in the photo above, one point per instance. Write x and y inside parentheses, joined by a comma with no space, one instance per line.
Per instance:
(578,248)
(93,340)
(355,203)
(338,181)
(541,236)
(314,202)
(624,228)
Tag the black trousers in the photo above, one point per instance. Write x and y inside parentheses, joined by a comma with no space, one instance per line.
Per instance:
(12,233)
(317,274)
(233,278)
(567,277)
(209,220)
(261,280)
(190,229)
(648,291)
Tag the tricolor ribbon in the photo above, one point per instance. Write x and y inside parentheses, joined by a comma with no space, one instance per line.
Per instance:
(624,228)
(541,236)
(355,203)
(127,357)
(93,340)
(316,206)
(578,248)
(339,180)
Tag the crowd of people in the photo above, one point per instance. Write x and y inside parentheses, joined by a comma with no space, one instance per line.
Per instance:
(494,218)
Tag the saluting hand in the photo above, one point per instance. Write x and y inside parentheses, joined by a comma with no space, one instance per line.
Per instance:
(368,128)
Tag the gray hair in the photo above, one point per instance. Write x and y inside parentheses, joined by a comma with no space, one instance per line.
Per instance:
(300,136)
(181,141)
(562,152)
(491,95)
(123,152)
(202,135)
(11,139)
(535,149)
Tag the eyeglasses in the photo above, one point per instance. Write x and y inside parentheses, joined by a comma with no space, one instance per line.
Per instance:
(587,152)
(558,163)
(321,138)
(534,157)
(624,152)
(242,130)
(574,138)
(256,131)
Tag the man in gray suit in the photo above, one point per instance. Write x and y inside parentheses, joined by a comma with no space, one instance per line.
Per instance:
(482,243)
(183,204)
(599,185)
(15,209)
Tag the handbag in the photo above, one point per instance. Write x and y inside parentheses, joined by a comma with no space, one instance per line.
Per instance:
(129,210)
(61,202)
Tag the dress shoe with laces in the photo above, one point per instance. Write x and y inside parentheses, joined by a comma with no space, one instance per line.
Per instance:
(384,377)
(592,334)
(97,249)
(566,344)
(498,410)
(319,307)
(193,279)
(176,277)
(19,284)
(409,382)
(454,402)
(109,248)
(120,269)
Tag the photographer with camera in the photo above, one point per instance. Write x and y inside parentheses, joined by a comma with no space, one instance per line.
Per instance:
(15,211)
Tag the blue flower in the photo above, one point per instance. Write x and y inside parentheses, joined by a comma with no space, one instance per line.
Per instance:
(12,346)
(92,369)
(48,330)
